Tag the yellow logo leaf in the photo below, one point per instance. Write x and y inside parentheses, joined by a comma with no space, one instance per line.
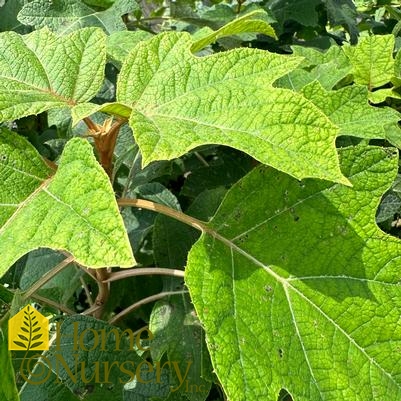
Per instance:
(28,330)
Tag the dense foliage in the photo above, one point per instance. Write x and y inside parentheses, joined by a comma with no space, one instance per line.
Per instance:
(213,186)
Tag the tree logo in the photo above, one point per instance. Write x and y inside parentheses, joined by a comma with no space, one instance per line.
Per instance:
(28,330)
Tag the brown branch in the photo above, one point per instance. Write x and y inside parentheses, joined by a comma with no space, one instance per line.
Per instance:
(53,304)
(144,272)
(105,143)
(103,294)
(156,207)
(87,292)
(143,301)
(91,125)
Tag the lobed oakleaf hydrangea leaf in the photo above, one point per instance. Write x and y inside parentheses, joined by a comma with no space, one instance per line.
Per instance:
(372,60)
(298,288)
(329,68)
(181,101)
(41,71)
(251,22)
(69,15)
(349,109)
(75,210)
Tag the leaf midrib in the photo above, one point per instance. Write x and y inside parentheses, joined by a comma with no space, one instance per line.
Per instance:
(48,91)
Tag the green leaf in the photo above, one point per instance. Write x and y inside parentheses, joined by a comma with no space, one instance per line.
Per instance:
(302,11)
(329,68)
(69,15)
(22,170)
(381,95)
(41,71)
(172,240)
(251,22)
(8,388)
(178,333)
(224,168)
(156,192)
(100,3)
(50,389)
(388,208)
(61,287)
(298,288)
(349,109)
(372,60)
(82,110)
(8,16)
(119,44)
(343,12)
(74,211)
(181,101)
(6,296)
(149,388)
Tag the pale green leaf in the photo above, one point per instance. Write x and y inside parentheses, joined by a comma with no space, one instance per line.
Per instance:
(298,288)
(329,68)
(181,101)
(315,57)
(327,74)
(349,109)
(82,110)
(119,44)
(381,95)
(372,60)
(69,15)
(251,22)
(75,210)
(295,80)
(41,71)
(22,171)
